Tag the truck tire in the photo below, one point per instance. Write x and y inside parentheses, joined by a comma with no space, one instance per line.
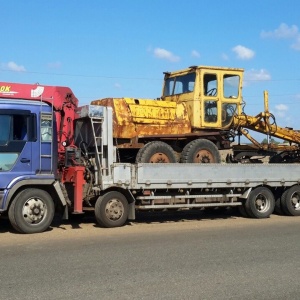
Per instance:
(200,151)
(156,152)
(242,211)
(31,211)
(278,209)
(260,203)
(111,210)
(290,201)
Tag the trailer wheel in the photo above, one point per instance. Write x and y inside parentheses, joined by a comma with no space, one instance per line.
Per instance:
(31,211)
(260,203)
(290,201)
(156,152)
(242,210)
(200,151)
(278,209)
(111,210)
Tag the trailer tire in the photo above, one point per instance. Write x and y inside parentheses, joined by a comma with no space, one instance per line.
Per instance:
(156,152)
(290,201)
(278,209)
(111,210)
(242,210)
(260,203)
(200,151)
(31,211)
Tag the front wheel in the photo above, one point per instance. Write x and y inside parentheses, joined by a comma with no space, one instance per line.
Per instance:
(260,203)
(111,210)
(31,211)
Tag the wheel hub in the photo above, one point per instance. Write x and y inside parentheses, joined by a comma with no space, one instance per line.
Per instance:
(261,203)
(34,211)
(114,209)
(295,200)
(204,157)
(159,158)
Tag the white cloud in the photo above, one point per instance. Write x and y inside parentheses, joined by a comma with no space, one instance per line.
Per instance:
(12,66)
(165,54)
(117,85)
(54,65)
(281,107)
(285,32)
(281,110)
(257,75)
(243,52)
(282,32)
(195,53)
(225,56)
(296,44)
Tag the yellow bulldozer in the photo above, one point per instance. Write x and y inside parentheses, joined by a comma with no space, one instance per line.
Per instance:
(199,113)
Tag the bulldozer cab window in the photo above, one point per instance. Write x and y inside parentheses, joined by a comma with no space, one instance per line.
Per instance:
(211,111)
(210,85)
(231,86)
(180,84)
(228,111)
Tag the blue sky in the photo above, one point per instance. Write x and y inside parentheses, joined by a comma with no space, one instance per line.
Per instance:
(121,48)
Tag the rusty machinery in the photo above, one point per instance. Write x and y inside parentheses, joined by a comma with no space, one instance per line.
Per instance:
(200,112)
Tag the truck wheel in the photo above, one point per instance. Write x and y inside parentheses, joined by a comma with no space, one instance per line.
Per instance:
(156,152)
(200,151)
(111,210)
(260,203)
(31,211)
(242,211)
(278,209)
(290,201)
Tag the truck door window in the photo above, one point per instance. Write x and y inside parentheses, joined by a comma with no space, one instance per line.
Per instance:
(210,85)
(5,121)
(17,125)
(20,126)
(231,86)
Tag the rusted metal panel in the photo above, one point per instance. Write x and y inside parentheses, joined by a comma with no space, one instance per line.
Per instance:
(143,117)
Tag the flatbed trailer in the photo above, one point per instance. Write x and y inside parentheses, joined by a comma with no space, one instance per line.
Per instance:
(124,188)
(254,188)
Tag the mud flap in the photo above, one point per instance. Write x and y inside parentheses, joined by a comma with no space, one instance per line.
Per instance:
(131,210)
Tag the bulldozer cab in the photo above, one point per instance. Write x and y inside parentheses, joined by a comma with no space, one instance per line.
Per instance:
(212,95)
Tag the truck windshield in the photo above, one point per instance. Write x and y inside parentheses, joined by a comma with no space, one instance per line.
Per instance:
(179,84)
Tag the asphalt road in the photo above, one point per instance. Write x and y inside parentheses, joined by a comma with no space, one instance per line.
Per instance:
(189,256)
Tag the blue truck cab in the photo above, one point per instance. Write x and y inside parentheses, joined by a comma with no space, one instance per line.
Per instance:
(28,155)
(36,129)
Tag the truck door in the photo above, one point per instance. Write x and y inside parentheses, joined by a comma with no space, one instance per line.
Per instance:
(16,137)
(221,98)
(211,111)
